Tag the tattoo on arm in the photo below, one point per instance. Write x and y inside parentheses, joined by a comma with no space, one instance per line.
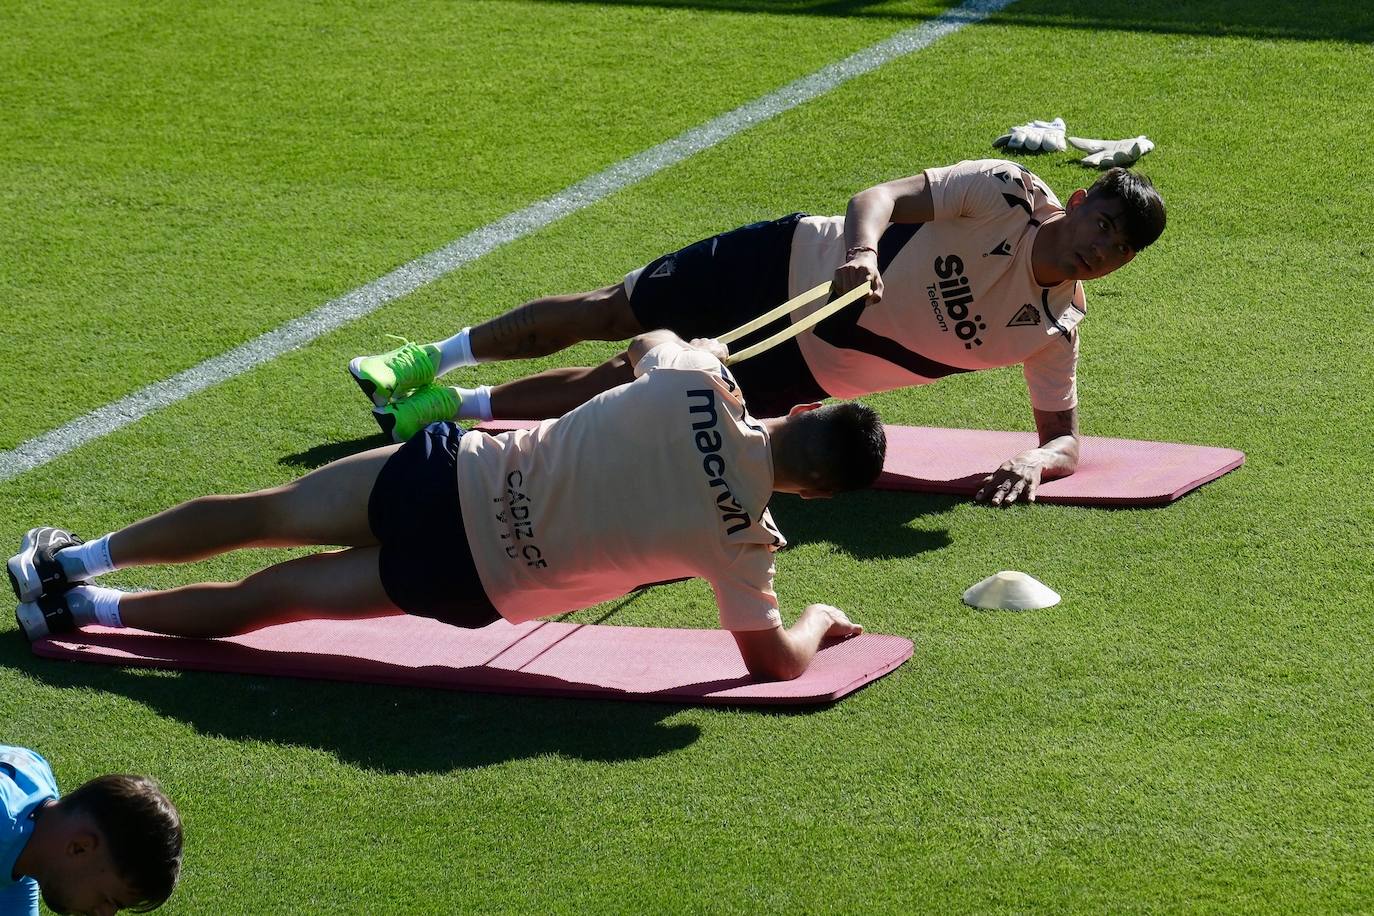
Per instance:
(515,331)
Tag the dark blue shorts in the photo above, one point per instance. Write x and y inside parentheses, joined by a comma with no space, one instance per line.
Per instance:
(426,565)
(718,284)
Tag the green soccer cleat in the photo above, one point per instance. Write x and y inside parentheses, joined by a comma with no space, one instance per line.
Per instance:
(395,373)
(402,419)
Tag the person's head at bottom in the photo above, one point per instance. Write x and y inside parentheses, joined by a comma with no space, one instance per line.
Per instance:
(112,844)
(820,451)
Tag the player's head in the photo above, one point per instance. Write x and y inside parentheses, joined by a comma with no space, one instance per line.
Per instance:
(119,847)
(819,450)
(1109,224)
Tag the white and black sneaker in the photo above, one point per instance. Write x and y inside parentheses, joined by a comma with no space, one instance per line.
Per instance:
(34,570)
(49,614)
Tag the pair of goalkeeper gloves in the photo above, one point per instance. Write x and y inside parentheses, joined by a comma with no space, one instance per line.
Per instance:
(1048,136)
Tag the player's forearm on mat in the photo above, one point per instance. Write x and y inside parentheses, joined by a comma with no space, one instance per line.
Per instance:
(1058,431)
(783,654)
(1057,458)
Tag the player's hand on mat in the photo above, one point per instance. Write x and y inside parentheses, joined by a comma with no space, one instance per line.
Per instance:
(1036,136)
(1017,478)
(840,626)
(861,268)
(1108,153)
(717,349)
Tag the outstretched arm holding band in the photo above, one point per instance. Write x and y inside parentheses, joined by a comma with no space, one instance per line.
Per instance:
(906,200)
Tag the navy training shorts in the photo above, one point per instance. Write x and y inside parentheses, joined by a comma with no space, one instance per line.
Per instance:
(717,284)
(425,564)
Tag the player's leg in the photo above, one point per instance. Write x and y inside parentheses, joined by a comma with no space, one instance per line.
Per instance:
(342,584)
(417,559)
(557,391)
(551,393)
(326,506)
(702,290)
(424,567)
(548,325)
(537,328)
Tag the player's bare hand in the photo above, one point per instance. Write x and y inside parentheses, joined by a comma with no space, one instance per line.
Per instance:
(840,626)
(1017,478)
(717,349)
(863,267)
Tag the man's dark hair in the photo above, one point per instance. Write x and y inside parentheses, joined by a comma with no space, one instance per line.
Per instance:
(142,829)
(842,446)
(1142,207)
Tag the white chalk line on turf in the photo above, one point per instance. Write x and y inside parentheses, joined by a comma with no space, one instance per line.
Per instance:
(426,269)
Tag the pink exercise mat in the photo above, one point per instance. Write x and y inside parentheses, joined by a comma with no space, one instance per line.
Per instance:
(543,658)
(1111,472)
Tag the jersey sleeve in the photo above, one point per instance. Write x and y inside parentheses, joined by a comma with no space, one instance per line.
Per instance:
(20,898)
(1052,374)
(673,355)
(744,592)
(973,189)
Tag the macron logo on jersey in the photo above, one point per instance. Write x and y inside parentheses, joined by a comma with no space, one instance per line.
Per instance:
(708,442)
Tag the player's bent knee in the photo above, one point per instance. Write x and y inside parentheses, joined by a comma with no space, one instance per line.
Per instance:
(607,314)
(614,371)
(273,512)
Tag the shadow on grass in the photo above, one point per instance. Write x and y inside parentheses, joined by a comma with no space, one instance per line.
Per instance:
(1321,20)
(868,525)
(397,730)
(320,455)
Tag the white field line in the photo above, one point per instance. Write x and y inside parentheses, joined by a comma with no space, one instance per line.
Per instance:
(426,269)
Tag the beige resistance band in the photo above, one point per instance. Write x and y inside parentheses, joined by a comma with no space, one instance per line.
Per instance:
(791,305)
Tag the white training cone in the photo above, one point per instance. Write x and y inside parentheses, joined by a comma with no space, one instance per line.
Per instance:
(1011,591)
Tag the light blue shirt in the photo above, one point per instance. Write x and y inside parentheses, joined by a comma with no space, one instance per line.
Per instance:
(26,782)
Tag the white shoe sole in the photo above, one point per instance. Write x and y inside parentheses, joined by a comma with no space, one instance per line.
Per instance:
(23,574)
(31,621)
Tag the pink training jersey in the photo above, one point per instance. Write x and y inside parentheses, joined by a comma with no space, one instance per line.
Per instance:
(663,478)
(958,293)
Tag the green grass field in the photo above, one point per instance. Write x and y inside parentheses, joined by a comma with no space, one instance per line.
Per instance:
(1191,729)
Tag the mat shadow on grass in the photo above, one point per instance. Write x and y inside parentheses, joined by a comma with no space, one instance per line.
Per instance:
(397,730)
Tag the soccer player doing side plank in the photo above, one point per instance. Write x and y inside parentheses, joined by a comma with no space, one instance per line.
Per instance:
(661,478)
(973,266)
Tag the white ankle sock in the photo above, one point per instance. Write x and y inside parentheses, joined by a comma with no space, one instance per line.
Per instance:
(454,353)
(95,604)
(474,403)
(88,560)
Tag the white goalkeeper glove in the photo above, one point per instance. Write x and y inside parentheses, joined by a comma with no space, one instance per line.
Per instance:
(1107,153)
(1045,136)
